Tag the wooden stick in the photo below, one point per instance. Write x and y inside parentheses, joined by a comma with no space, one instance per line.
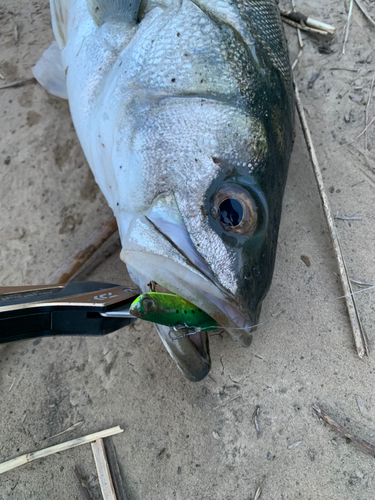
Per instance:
(364,11)
(102,467)
(368,447)
(358,331)
(36,455)
(82,255)
(114,468)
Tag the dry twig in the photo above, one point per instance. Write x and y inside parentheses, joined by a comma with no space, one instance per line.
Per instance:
(255,420)
(82,255)
(17,83)
(82,484)
(36,455)
(368,447)
(358,331)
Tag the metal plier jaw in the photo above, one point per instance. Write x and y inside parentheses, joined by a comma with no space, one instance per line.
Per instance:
(73,309)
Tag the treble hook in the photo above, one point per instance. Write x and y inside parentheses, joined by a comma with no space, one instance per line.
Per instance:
(185,335)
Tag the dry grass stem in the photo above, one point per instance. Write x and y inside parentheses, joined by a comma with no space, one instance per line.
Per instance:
(82,255)
(363,131)
(361,283)
(345,217)
(344,69)
(303,28)
(300,41)
(226,402)
(367,110)
(366,446)
(313,23)
(67,430)
(364,11)
(296,61)
(37,455)
(347,26)
(357,329)
(258,493)
(304,21)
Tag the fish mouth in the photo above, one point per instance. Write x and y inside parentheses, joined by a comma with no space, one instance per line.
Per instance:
(157,247)
(188,283)
(189,349)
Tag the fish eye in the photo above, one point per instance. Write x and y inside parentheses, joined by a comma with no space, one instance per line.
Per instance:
(235,209)
(230,212)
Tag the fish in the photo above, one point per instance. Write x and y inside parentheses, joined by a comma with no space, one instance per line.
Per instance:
(185,113)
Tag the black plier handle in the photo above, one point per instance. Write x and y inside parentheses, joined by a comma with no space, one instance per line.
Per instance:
(72,309)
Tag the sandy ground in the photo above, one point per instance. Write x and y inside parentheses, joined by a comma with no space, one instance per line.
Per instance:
(182,440)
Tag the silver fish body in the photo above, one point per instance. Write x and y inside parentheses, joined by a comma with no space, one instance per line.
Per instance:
(185,112)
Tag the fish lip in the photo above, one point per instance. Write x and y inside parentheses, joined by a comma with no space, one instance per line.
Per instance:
(234,313)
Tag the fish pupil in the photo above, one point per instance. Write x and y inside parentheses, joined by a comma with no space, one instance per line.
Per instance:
(230,212)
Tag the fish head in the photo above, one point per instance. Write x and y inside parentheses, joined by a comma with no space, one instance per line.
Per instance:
(210,229)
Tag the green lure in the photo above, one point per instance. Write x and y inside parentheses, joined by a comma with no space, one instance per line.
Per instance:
(171,310)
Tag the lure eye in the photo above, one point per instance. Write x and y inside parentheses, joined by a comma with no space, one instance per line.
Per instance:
(235,209)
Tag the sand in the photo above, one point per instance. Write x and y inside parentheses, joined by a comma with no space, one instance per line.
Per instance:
(194,441)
